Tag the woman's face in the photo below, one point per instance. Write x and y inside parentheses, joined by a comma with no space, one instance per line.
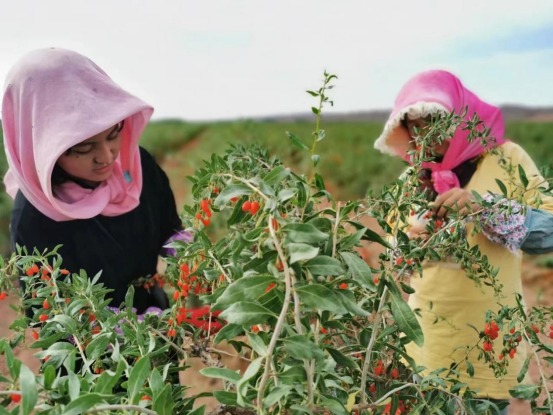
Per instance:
(92,160)
(422,124)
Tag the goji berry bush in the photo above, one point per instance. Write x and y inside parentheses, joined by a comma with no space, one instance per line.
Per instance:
(323,332)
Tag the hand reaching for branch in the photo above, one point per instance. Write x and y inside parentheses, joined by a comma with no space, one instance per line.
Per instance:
(456,199)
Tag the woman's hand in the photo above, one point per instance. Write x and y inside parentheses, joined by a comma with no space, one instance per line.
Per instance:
(456,198)
(418,231)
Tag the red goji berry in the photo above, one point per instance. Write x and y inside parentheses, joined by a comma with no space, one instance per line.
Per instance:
(254,208)
(64,272)
(208,213)
(376,280)
(3,295)
(247,206)
(255,329)
(45,305)
(16,397)
(551,334)
(176,295)
(323,330)
(234,199)
(399,261)
(343,286)
(92,317)
(216,190)
(206,222)
(394,373)
(512,331)
(270,287)
(35,335)
(372,388)
(43,317)
(198,215)
(500,357)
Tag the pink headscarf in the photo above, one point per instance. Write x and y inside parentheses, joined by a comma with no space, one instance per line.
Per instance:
(53,99)
(439,91)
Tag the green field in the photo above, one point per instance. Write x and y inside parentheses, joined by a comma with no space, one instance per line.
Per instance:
(349,164)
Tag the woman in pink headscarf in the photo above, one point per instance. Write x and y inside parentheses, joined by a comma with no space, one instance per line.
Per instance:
(459,168)
(78,175)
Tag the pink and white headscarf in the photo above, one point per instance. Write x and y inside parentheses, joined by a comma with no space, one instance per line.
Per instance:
(433,92)
(53,99)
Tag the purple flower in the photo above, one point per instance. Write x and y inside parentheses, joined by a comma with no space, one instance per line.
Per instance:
(183,235)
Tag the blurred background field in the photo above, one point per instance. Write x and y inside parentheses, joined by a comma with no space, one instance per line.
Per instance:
(349,164)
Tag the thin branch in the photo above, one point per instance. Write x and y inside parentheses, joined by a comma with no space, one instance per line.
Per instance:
(371,344)
(280,321)
(220,267)
(247,183)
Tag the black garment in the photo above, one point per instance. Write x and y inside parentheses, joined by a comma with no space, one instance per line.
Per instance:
(125,247)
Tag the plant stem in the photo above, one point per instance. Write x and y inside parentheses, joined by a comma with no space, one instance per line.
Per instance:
(280,321)
(542,375)
(371,344)
(251,186)
(220,267)
(306,363)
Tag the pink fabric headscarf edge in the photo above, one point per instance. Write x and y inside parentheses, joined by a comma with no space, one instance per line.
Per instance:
(432,92)
(53,99)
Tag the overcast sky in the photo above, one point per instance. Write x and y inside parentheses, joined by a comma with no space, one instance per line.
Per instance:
(225,59)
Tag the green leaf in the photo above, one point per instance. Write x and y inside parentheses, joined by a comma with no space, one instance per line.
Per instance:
(98,346)
(304,233)
(257,344)
(524,369)
(198,411)
(359,269)
(315,110)
(407,288)
(29,394)
(137,377)
(301,252)
(83,403)
(276,394)
(49,376)
(249,374)
(527,392)
(226,398)
(296,374)
(502,187)
(470,368)
(107,382)
(321,298)
(406,320)
(47,342)
(74,385)
(352,240)
(342,359)
(220,373)
(296,141)
(350,304)
(313,94)
(522,175)
(233,190)
(286,194)
(246,288)
(228,332)
(371,235)
(276,175)
(246,313)
(300,347)
(324,265)
(163,403)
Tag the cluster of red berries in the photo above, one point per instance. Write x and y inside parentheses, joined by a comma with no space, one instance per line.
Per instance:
(204,205)
(252,207)
(399,261)
(197,318)
(155,279)
(185,283)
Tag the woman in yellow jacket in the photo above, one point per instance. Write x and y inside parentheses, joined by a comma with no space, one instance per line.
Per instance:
(460,168)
